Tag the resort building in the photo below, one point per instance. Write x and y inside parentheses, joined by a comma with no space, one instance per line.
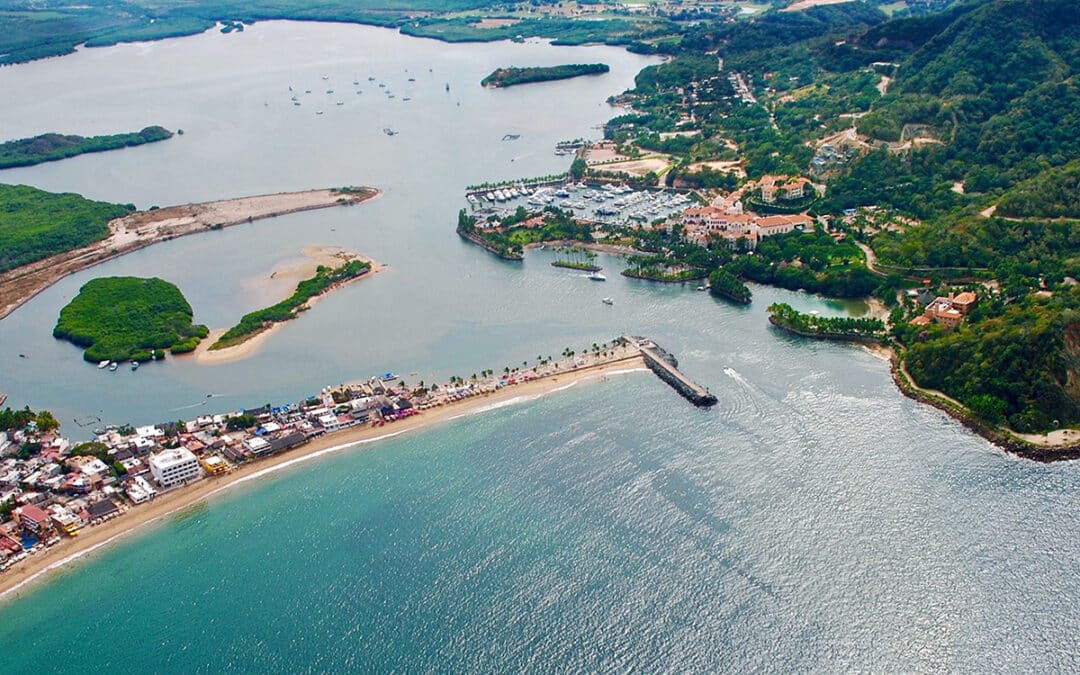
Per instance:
(174,467)
(706,222)
(783,188)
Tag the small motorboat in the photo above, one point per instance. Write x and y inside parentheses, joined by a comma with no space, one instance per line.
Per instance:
(608,301)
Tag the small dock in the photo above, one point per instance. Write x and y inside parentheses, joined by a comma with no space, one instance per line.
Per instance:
(666,368)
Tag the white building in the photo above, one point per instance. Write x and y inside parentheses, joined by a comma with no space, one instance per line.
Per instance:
(174,467)
(139,490)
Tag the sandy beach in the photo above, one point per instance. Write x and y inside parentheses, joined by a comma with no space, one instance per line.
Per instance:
(37,568)
(290,274)
(144,228)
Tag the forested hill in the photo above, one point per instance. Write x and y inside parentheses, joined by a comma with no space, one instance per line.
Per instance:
(995,83)
(999,49)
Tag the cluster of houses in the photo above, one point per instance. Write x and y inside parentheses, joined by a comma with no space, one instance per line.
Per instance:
(726,217)
(52,487)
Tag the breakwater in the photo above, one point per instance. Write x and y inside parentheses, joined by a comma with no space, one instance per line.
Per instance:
(666,368)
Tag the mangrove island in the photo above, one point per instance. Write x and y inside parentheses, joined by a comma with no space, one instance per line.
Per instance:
(52,147)
(120,318)
(325,279)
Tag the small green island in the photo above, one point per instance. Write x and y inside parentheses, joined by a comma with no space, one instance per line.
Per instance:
(120,318)
(36,224)
(508,77)
(576,258)
(724,284)
(260,320)
(52,147)
(787,318)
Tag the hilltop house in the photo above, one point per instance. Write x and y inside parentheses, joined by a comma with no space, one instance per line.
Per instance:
(947,311)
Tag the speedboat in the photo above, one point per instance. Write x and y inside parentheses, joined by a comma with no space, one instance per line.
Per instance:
(596,276)
(608,301)
(103,364)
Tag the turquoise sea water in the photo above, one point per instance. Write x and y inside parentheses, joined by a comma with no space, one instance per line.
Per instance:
(814,519)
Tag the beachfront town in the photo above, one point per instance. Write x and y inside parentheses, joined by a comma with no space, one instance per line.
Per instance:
(52,487)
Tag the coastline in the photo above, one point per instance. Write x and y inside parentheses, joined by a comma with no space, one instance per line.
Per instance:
(145,228)
(315,255)
(33,570)
(1006,440)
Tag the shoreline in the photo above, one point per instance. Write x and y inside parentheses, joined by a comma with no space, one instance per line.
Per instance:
(36,569)
(144,228)
(1024,446)
(1006,440)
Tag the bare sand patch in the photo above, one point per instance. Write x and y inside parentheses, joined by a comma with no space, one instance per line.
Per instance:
(494,23)
(723,167)
(807,4)
(636,167)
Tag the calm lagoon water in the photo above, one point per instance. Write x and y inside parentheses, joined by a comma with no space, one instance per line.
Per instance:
(813,520)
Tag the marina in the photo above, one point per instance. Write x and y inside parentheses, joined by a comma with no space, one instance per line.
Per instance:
(604,203)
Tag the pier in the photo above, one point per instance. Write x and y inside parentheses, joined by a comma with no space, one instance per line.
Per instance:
(666,368)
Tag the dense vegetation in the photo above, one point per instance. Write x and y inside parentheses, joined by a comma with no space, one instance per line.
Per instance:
(14,420)
(1053,194)
(51,147)
(508,77)
(119,318)
(726,285)
(980,108)
(1017,363)
(811,261)
(35,224)
(255,322)
(785,316)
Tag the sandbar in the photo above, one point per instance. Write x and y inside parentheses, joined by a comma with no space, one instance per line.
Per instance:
(314,256)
